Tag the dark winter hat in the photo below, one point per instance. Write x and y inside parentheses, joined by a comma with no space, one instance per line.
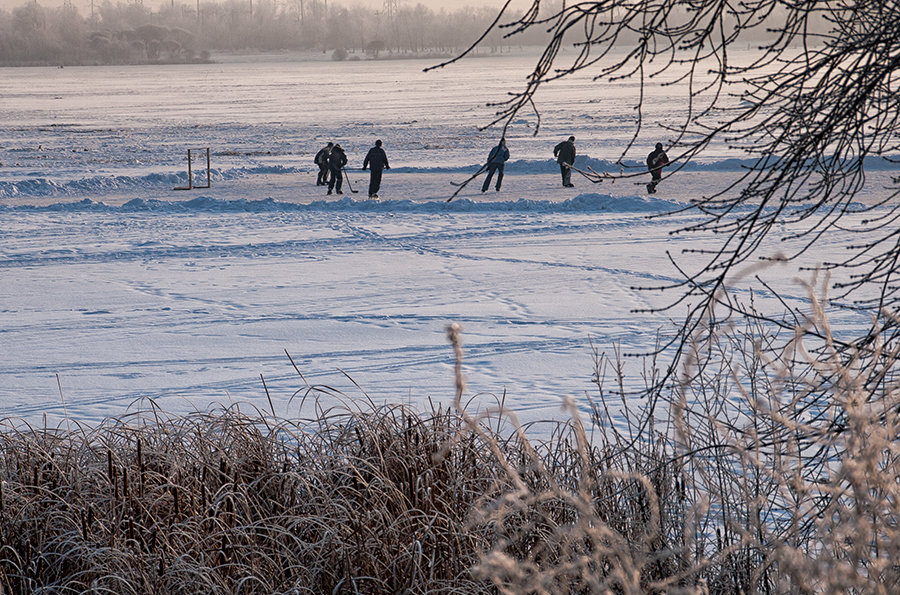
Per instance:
(330,144)
(571,139)
(337,146)
(378,143)
(659,146)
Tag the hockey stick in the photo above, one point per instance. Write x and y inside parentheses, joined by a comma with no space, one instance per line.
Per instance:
(591,175)
(463,184)
(349,185)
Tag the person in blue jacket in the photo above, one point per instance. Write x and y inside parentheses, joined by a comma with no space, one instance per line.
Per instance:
(377,160)
(496,159)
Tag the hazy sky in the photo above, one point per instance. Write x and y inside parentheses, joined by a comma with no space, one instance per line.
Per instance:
(84,5)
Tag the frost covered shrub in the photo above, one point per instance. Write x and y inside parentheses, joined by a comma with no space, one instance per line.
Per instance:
(752,474)
(223,503)
(792,460)
(377,500)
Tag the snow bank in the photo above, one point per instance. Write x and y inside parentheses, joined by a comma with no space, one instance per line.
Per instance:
(584,162)
(583,203)
(37,185)
(98,184)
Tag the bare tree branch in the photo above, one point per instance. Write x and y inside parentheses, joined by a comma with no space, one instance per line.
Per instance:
(812,111)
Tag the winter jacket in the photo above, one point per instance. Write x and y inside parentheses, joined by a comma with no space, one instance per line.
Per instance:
(656,160)
(322,156)
(337,159)
(498,155)
(377,159)
(565,152)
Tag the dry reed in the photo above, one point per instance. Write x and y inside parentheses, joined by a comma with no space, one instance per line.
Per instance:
(754,474)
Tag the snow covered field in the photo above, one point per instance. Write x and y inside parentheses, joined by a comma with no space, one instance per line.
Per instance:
(129,290)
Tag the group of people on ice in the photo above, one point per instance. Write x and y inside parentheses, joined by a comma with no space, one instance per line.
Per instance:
(331,160)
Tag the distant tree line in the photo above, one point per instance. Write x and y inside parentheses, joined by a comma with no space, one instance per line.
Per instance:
(131,33)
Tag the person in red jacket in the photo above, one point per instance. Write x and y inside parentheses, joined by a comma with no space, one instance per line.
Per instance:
(655,162)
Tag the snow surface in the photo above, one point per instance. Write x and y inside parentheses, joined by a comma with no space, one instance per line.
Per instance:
(117,289)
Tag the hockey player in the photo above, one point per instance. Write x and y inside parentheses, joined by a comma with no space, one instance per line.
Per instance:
(496,159)
(655,162)
(337,159)
(322,161)
(376,160)
(565,156)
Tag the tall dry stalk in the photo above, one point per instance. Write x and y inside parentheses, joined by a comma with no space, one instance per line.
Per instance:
(757,475)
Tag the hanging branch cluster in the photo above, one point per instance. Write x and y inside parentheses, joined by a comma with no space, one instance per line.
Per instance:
(819,100)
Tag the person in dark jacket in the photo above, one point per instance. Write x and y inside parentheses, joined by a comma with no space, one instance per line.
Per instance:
(322,161)
(337,159)
(377,160)
(655,162)
(565,156)
(496,159)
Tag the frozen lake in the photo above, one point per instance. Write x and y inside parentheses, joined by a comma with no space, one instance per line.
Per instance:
(128,290)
